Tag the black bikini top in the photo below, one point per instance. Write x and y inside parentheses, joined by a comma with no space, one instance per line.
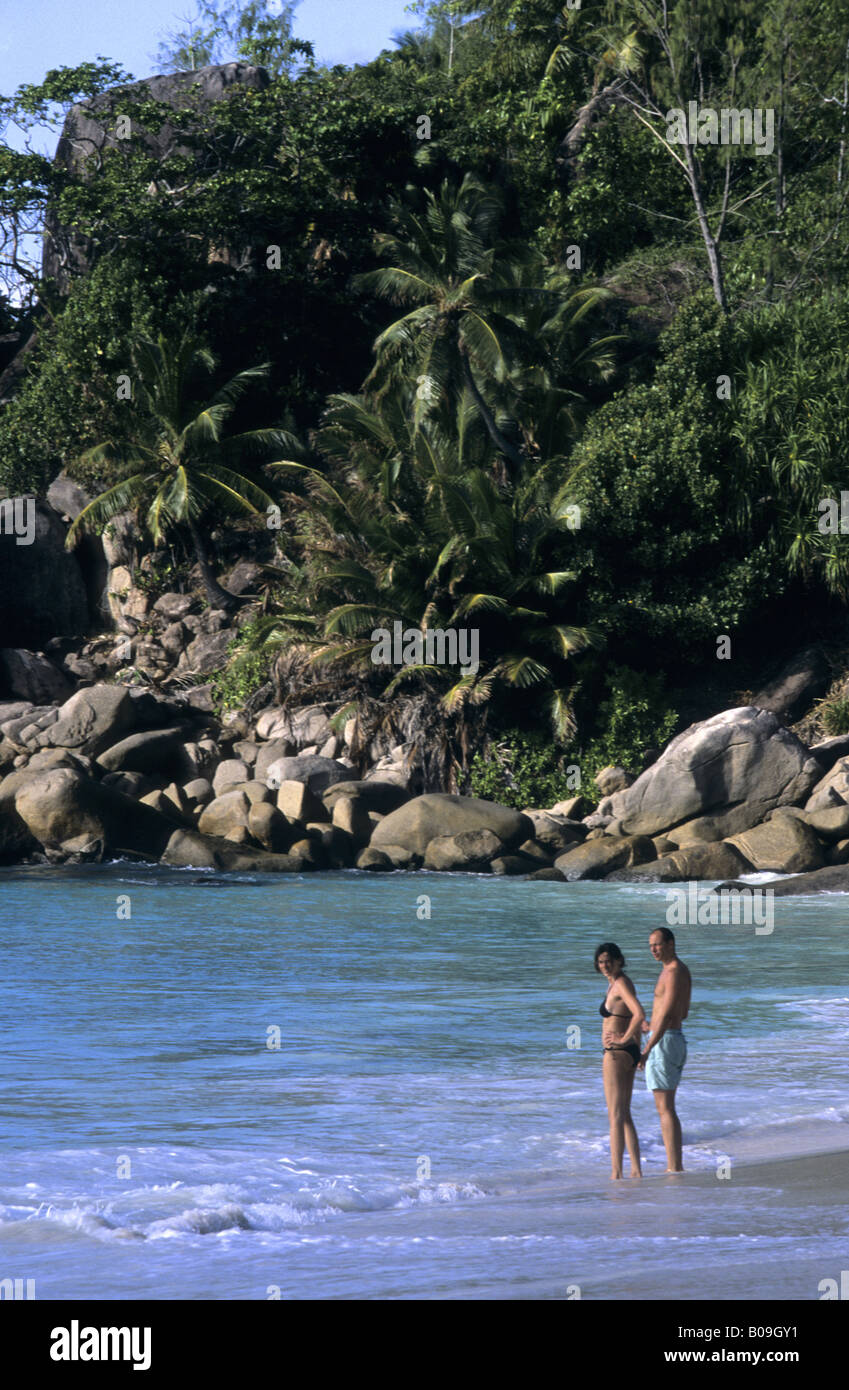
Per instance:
(608,1013)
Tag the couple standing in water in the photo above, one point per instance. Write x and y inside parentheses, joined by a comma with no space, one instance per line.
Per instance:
(664,1057)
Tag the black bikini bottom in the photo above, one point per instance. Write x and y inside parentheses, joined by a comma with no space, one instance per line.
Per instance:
(631,1048)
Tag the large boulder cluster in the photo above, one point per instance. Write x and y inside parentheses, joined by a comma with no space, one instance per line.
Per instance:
(114,772)
(734,794)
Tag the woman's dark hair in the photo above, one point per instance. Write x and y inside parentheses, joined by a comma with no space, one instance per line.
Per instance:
(612,950)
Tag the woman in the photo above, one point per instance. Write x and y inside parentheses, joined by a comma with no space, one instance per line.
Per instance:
(623,1016)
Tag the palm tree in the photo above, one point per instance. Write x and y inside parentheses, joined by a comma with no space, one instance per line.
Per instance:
(378,446)
(544,392)
(182,466)
(446,265)
(501,566)
(410,524)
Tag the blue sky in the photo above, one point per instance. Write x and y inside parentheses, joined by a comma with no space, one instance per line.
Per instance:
(36,35)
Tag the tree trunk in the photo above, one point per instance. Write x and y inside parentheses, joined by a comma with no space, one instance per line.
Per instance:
(502,444)
(714,260)
(600,102)
(218,597)
(780,190)
(842,157)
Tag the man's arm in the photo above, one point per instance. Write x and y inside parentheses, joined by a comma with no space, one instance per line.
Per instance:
(674,993)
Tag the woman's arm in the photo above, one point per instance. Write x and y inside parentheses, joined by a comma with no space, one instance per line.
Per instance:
(638,1014)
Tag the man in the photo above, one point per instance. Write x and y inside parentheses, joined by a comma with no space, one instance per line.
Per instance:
(666,1054)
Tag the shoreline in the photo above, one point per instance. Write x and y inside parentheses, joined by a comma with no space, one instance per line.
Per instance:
(116,773)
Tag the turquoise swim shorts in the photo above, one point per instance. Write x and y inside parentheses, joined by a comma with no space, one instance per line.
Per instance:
(665,1062)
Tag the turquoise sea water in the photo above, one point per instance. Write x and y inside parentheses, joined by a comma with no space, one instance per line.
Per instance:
(419,1126)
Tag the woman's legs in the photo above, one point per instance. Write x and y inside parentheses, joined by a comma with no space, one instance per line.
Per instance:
(630,1131)
(618,1072)
(614,1112)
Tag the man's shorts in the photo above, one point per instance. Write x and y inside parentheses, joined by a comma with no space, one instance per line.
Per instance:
(665,1062)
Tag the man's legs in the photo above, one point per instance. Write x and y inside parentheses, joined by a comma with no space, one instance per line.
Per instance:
(670,1128)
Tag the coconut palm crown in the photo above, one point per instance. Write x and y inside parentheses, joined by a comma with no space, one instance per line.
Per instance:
(175,459)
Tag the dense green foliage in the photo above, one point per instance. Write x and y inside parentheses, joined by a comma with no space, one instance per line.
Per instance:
(533,365)
(523,770)
(247,671)
(635,717)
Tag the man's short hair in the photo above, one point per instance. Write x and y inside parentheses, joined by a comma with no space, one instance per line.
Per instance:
(665,934)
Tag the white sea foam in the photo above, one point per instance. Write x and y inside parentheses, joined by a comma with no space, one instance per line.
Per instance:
(217,1208)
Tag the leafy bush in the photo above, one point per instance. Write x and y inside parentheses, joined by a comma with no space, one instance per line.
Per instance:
(522,769)
(833,713)
(634,718)
(161,575)
(68,400)
(246,670)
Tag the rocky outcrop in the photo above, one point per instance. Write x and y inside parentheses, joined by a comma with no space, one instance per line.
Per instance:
(740,758)
(690,864)
(31,676)
(831,790)
(831,879)
(301,727)
(61,807)
(572,809)
(784,844)
(398,766)
(16,839)
(349,814)
(830,750)
(225,814)
(314,772)
(400,857)
(42,592)
(269,827)
(382,797)
(598,858)
(555,832)
(612,779)
(372,860)
(204,789)
(187,849)
(92,720)
(434,814)
(472,851)
(90,130)
(299,803)
(152,751)
(830,824)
